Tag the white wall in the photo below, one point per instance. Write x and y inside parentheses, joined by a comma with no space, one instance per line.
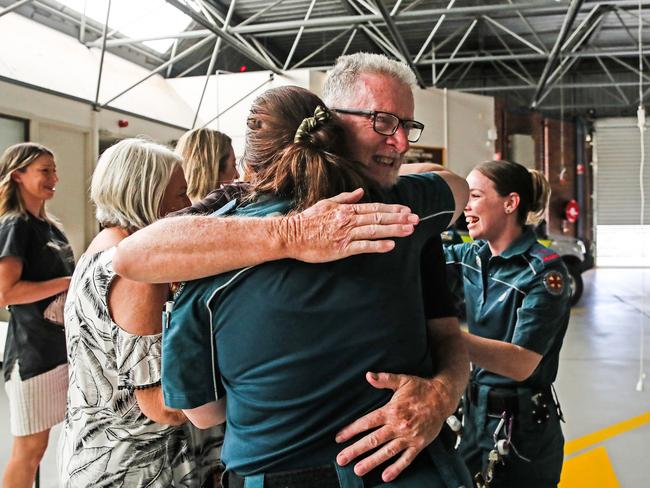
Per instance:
(224,90)
(72,130)
(471,130)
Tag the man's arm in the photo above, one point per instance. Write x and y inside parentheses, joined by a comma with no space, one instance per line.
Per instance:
(413,417)
(187,248)
(457,184)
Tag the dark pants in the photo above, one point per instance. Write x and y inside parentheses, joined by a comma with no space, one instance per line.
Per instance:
(542,443)
(435,467)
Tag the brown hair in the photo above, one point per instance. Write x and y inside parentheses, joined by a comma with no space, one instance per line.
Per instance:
(531,186)
(17,158)
(308,170)
(204,153)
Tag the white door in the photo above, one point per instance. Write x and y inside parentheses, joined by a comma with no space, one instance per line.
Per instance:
(71,202)
(621,238)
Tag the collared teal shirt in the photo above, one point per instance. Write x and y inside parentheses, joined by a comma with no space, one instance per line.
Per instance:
(291,341)
(520,296)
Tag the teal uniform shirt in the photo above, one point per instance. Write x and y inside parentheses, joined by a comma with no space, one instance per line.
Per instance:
(520,296)
(290,342)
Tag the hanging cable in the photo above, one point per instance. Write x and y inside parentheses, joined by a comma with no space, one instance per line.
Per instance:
(641,123)
(563,169)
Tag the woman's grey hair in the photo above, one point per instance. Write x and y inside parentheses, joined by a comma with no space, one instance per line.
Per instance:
(129,183)
(17,158)
(340,84)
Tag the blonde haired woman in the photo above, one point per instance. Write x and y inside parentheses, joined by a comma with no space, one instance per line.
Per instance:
(117,431)
(35,266)
(208,161)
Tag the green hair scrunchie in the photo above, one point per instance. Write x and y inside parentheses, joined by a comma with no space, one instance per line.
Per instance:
(308,124)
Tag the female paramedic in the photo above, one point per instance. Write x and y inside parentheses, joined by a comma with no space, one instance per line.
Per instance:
(517,302)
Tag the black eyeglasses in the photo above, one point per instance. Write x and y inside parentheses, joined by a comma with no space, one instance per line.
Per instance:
(386,123)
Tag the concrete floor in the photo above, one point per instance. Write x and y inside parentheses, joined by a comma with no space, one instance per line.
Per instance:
(607,420)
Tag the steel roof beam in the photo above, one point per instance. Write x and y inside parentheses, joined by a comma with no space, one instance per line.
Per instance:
(260,13)
(535,57)
(476,89)
(385,42)
(373,37)
(456,49)
(13,7)
(228,38)
(399,40)
(513,34)
(160,68)
(532,30)
(462,76)
(322,48)
(551,8)
(213,60)
(298,36)
(611,78)
(426,43)
(98,31)
(194,34)
(591,23)
(507,48)
(571,14)
(101,57)
(349,41)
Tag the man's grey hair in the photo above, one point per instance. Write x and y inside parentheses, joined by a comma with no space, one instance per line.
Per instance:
(340,84)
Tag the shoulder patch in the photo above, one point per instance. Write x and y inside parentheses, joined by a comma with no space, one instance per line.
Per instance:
(554,282)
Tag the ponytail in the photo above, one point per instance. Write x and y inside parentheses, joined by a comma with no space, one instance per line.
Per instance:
(295,147)
(541,192)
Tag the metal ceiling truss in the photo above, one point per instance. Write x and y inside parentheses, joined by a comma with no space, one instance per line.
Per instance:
(440,41)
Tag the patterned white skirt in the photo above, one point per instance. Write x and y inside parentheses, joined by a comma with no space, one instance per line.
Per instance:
(37,403)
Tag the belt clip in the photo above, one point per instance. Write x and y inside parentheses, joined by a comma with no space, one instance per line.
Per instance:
(167,313)
(540,413)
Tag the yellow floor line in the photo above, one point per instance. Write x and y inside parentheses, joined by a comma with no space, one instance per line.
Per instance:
(601,435)
(589,470)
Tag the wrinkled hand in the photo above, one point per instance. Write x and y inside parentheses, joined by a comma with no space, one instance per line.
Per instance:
(409,422)
(340,227)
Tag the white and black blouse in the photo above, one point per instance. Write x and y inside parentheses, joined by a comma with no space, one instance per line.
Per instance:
(106,439)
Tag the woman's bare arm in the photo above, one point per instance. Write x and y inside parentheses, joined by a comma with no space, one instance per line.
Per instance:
(208,415)
(136,308)
(14,291)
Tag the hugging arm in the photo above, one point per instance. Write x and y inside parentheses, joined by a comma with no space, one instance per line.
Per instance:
(186,248)
(419,406)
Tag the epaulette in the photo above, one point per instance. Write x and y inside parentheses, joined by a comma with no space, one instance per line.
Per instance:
(542,256)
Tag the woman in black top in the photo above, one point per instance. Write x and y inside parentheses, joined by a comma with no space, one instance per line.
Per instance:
(35,267)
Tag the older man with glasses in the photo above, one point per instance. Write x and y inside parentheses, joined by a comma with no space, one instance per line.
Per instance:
(373,97)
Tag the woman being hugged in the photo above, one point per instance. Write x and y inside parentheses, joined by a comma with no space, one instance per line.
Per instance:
(517,299)
(35,266)
(117,431)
